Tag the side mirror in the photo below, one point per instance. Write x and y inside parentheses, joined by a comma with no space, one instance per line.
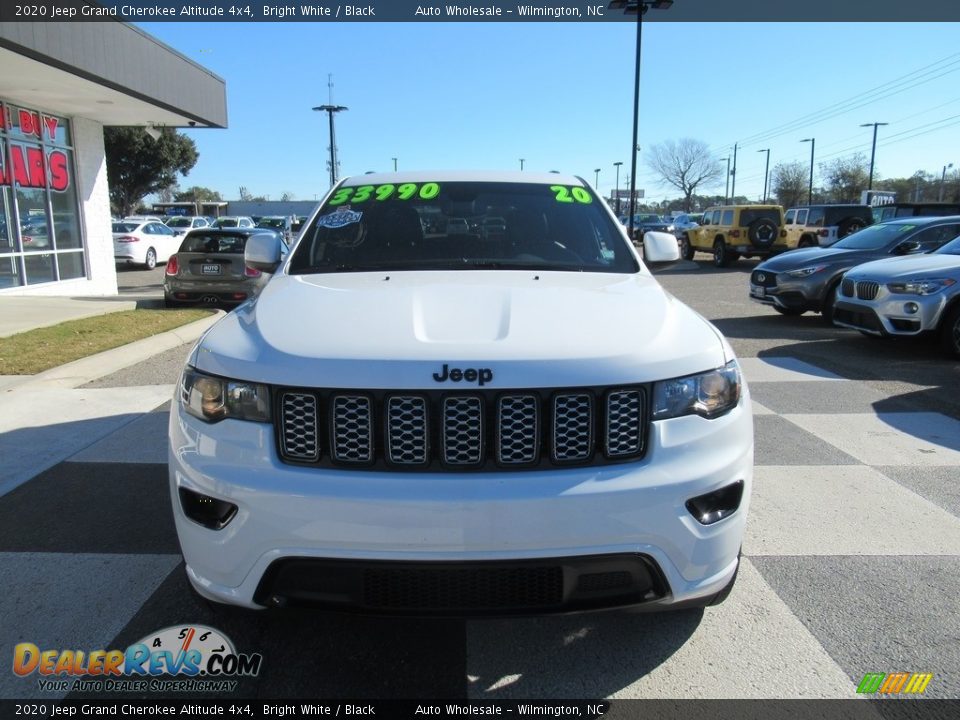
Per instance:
(660,247)
(263,252)
(907,247)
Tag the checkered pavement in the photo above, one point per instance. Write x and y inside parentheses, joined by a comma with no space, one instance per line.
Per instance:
(851,565)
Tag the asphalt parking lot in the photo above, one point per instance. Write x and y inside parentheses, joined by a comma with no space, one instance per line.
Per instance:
(851,560)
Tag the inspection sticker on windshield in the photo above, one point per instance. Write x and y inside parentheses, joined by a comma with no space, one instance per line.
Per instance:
(339,219)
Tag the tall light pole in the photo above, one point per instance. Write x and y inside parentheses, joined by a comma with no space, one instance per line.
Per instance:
(617,190)
(596,179)
(733,175)
(943,177)
(813,145)
(331,110)
(726,188)
(639,7)
(394,164)
(521,163)
(766,173)
(873,150)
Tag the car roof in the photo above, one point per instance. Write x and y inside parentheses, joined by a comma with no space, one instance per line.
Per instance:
(509,176)
(231,231)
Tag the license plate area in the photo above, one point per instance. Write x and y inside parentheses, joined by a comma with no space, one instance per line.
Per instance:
(210,269)
(758,291)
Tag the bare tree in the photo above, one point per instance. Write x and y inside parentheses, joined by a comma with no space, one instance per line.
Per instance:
(845,178)
(686,164)
(790,182)
(286,196)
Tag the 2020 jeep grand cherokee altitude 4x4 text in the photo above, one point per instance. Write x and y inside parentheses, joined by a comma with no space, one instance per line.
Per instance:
(513,420)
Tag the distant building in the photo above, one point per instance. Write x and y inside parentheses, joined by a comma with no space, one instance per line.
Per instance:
(270,207)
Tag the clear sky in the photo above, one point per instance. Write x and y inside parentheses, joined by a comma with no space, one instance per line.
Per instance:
(483,95)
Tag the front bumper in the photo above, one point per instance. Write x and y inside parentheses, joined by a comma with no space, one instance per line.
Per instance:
(613,517)
(889,315)
(787,293)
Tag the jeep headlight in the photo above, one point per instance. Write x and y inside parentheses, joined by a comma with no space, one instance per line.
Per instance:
(804,272)
(921,286)
(213,399)
(708,395)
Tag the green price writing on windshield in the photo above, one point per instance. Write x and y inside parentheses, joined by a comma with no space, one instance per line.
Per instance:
(404,191)
(568,195)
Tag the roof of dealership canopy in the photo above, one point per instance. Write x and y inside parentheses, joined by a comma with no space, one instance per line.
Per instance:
(110,72)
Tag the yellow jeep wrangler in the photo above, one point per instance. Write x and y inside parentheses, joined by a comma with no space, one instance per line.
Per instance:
(734,231)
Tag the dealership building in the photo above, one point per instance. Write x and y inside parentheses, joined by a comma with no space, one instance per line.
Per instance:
(60,84)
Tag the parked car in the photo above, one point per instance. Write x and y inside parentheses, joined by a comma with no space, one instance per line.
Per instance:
(209,268)
(905,296)
(823,225)
(684,222)
(807,279)
(281,223)
(143,242)
(441,425)
(734,231)
(234,221)
(143,218)
(647,222)
(914,209)
(182,224)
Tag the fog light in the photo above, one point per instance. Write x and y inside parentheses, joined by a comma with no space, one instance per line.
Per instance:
(911,308)
(209,512)
(716,505)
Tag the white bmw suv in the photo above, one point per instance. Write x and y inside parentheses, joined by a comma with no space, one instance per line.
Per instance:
(409,421)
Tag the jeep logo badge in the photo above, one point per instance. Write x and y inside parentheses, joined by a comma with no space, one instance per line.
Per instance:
(481,376)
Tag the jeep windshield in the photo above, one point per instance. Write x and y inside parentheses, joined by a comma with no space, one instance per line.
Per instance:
(462,226)
(875,237)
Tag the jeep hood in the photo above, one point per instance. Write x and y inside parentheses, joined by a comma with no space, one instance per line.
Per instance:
(529,328)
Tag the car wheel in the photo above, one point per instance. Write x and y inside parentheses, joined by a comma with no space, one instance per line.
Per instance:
(762,232)
(829,300)
(721,256)
(849,226)
(686,249)
(150,261)
(950,332)
(791,312)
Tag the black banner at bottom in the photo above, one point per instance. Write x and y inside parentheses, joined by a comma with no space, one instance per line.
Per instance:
(865,709)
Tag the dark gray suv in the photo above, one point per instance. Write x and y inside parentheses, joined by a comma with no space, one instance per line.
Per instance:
(807,279)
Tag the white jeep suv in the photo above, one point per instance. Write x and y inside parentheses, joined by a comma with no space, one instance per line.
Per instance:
(462,424)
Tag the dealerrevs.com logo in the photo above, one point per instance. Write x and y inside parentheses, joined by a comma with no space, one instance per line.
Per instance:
(178,658)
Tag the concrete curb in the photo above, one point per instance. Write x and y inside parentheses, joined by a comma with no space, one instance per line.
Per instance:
(79,372)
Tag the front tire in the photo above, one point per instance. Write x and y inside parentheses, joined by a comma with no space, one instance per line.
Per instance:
(829,300)
(686,249)
(950,332)
(150,261)
(721,255)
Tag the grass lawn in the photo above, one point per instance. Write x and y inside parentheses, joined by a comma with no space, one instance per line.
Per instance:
(34,351)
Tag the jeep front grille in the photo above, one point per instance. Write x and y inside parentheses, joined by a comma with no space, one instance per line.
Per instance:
(299,441)
(523,429)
